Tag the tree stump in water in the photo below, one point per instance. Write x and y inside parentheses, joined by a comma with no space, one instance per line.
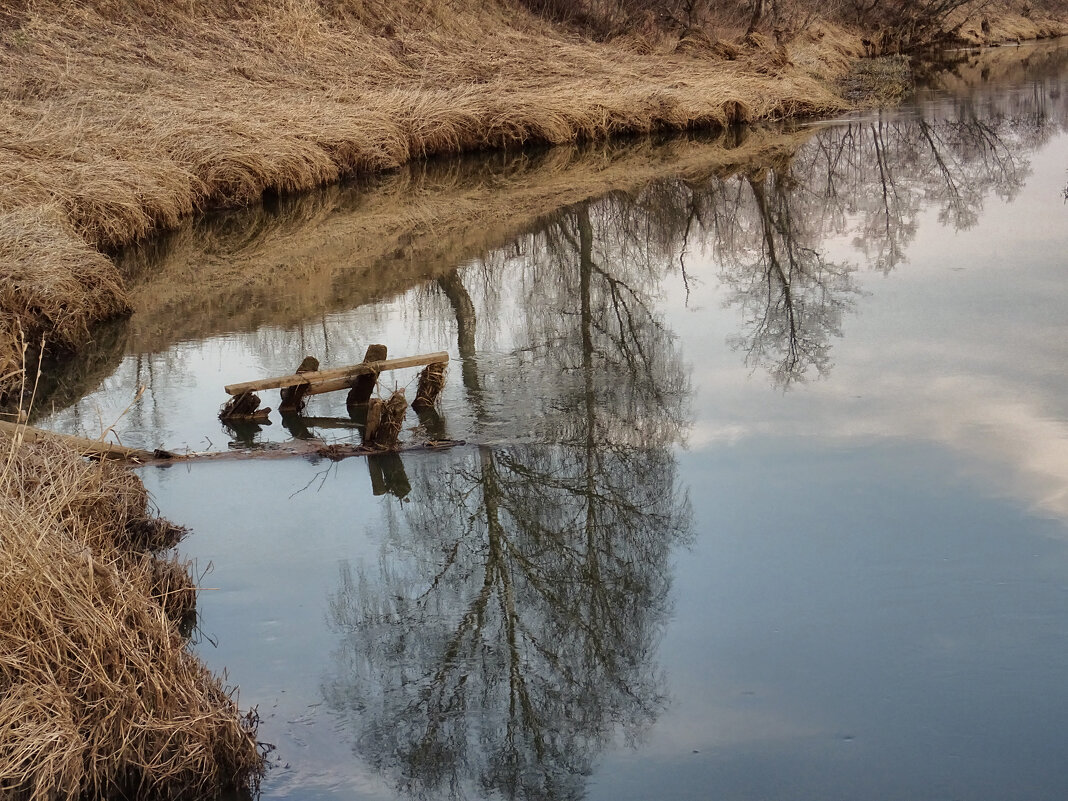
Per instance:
(243,408)
(431,382)
(293,400)
(385,420)
(361,391)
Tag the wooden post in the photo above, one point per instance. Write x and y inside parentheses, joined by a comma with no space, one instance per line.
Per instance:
(365,384)
(293,396)
(385,419)
(243,408)
(372,420)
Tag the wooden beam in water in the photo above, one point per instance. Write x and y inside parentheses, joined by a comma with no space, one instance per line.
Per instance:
(340,378)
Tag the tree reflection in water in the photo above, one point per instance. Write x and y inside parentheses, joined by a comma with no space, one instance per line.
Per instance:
(869,182)
(509,632)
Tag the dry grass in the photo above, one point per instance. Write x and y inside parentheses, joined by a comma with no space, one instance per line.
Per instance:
(52,283)
(1009,22)
(100,698)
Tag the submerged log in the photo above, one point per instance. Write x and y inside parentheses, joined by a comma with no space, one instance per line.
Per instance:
(303,449)
(95,448)
(365,383)
(340,378)
(308,449)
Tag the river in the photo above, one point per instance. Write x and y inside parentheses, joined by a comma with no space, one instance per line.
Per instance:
(764,485)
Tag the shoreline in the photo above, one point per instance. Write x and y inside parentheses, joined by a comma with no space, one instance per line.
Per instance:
(123,133)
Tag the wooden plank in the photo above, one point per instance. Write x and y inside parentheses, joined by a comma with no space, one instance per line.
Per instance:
(338,376)
(87,447)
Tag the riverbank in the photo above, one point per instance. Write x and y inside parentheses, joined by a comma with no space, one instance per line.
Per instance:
(126,118)
(101,697)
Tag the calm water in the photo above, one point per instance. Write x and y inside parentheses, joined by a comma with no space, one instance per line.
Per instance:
(765,494)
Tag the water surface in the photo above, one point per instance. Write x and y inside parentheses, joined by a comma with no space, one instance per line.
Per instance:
(765,489)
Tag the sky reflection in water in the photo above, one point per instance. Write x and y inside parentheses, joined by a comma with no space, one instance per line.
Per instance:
(766,489)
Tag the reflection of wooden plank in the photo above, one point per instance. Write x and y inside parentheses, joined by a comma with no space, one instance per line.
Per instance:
(331,422)
(307,449)
(340,378)
(87,447)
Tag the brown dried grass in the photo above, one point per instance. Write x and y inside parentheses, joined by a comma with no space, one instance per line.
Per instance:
(1009,22)
(52,283)
(99,696)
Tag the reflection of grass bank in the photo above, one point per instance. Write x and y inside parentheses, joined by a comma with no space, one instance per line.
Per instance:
(878,81)
(1006,22)
(101,697)
(295,259)
(962,72)
(353,244)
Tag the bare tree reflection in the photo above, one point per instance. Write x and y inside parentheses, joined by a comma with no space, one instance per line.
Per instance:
(867,183)
(788,232)
(510,630)
(508,633)
(792,297)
